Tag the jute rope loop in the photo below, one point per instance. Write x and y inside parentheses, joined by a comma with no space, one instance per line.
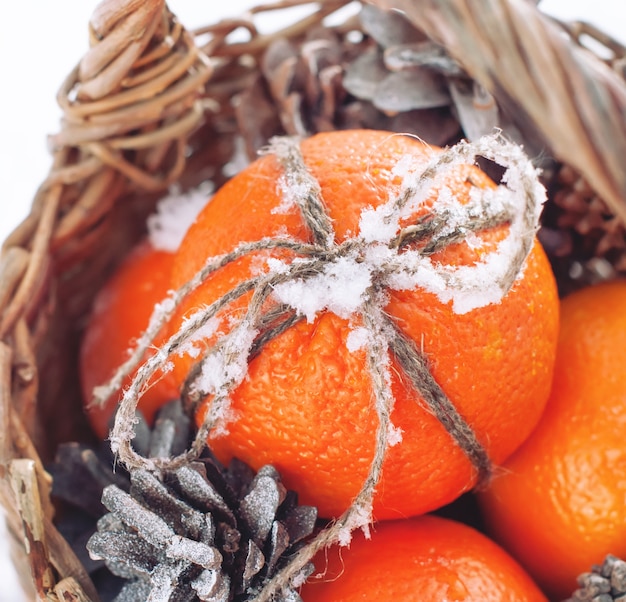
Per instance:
(225,364)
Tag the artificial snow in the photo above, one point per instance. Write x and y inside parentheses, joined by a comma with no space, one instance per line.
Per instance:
(227,366)
(196,342)
(341,288)
(360,517)
(212,586)
(196,552)
(174,214)
(357,339)
(394,435)
(465,287)
(289,193)
(377,225)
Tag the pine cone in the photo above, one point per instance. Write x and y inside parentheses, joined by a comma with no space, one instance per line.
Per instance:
(333,79)
(584,213)
(80,474)
(201,533)
(206,528)
(413,82)
(605,583)
(585,241)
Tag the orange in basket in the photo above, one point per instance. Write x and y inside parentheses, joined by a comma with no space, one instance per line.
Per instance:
(307,405)
(413,560)
(559,506)
(120,313)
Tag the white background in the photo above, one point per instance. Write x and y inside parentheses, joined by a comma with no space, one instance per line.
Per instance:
(40,42)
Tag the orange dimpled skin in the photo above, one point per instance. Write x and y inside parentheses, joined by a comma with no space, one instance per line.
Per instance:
(120,314)
(306,405)
(424,559)
(559,506)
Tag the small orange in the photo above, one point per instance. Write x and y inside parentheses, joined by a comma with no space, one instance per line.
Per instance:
(560,505)
(121,311)
(306,404)
(427,558)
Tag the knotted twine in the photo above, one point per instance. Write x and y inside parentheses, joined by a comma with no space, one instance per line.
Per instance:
(395,257)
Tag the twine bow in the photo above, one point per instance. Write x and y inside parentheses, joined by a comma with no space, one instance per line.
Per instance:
(383,255)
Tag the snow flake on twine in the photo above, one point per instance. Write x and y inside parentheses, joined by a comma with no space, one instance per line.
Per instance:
(351,279)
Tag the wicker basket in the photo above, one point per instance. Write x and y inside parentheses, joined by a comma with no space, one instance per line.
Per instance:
(150,105)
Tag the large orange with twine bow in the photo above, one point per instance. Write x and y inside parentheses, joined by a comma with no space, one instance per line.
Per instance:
(370,315)
(326,311)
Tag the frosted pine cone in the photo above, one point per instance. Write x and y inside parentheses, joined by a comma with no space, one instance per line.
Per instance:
(605,583)
(203,532)
(200,533)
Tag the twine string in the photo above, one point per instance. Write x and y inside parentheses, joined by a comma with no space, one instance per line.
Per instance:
(308,194)
(415,365)
(359,513)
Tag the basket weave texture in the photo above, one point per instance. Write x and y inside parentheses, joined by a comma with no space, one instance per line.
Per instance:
(151,105)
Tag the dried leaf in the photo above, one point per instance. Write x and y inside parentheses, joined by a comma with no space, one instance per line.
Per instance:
(421,54)
(388,28)
(476,108)
(411,89)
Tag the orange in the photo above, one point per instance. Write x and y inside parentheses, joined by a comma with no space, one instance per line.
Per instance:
(417,560)
(306,405)
(559,506)
(120,313)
